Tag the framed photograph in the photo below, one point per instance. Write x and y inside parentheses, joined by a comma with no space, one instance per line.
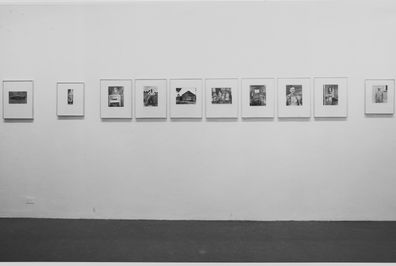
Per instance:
(221,98)
(116,98)
(330,97)
(70,98)
(18,99)
(294,97)
(186,98)
(150,96)
(380,96)
(258,97)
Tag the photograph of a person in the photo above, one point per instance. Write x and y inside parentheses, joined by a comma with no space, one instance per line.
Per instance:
(186,95)
(17,97)
(70,96)
(257,95)
(221,96)
(294,95)
(116,96)
(380,93)
(150,96)
(330,94)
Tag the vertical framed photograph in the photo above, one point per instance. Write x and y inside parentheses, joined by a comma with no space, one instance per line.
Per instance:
(18,99)
(70,98)
(221,98)
(186,98)
(380,96)
(294,97)
(330,97)
(258,97)
(116,98)
(150,96)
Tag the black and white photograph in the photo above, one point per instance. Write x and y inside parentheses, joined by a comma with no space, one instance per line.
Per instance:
(331,97)
(294,95)
(380,93)
(150,96)
(17,97)
(216,132)
(186,95)
(70,99)
(258,95)
(116,96)
(70,96)
(186,98)
(221,96)
(330,94)
(380,96)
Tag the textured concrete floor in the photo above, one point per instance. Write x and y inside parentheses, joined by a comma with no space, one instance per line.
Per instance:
(195,241)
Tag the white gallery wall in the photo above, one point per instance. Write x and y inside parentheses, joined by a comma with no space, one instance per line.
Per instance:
(272,169)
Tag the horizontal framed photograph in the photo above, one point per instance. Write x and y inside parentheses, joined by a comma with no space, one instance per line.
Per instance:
(150,96)
(70,98)
(18,99)
(116,98)
(221,98)
(330,97)
(258,97)
(186,98)
(380,96)
(294,97)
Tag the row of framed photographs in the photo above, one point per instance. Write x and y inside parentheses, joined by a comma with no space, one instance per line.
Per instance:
(186,98)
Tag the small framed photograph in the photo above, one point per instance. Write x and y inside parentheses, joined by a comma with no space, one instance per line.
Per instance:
(70,98)
(330,97)
(18,99)
(380,96)
(116,98)
(294,97)
(186,98)
(258,97)
(221,98)
(150,96)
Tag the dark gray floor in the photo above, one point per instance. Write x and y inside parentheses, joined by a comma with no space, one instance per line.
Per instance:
(195,241)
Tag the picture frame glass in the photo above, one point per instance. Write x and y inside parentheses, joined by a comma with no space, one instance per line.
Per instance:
(70,98)
(331,97)
(294,97)
(18,99)
(222,98)
(380,96)
(151,98)
(186,98)
(258,95)
(116,98)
